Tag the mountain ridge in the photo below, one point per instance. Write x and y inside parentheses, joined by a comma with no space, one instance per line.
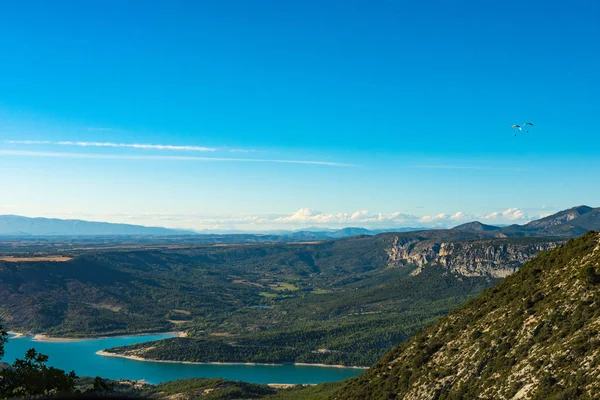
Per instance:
(571,222)
(16,225)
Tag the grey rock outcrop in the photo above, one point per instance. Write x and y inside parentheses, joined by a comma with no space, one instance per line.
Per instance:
(495,258)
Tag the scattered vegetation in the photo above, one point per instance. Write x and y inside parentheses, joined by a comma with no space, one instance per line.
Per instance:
(207,389)
(533,336)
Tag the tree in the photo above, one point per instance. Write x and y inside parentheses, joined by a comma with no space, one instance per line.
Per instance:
(3,340)
(31,377)
(101,386)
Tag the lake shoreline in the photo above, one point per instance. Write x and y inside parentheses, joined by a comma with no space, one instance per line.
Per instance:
(137,358)
(86,358)
(40,337)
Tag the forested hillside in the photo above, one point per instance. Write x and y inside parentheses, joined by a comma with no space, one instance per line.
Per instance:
(533,336)
(335,302)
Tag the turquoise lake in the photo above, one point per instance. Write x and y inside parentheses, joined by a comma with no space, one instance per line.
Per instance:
(81,357)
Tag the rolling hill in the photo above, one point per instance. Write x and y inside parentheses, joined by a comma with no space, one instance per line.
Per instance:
(477,226)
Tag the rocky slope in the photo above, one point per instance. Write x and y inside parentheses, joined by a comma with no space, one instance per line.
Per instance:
(560,218)
(533,336)
(496,258)
(564,224)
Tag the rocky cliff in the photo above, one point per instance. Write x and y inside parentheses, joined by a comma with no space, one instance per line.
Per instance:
(496,258)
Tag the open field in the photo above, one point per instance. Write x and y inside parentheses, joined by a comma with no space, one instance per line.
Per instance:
(282,286)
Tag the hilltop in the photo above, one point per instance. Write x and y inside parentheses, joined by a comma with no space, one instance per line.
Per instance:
(477,226)
(533,336)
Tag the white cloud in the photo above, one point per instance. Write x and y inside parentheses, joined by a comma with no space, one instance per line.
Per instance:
(312,216)
(85,156)
(396,219)
(433,218)
(360,217)
(358,214)
(512,214)
(444,219)
(459,216)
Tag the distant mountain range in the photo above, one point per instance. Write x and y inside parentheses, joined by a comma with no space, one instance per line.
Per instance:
(14,225)
(568,223)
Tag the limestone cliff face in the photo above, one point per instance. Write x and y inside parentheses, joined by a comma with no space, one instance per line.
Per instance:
(496,258)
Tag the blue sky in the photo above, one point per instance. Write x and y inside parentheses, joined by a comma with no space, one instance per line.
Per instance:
(274,114)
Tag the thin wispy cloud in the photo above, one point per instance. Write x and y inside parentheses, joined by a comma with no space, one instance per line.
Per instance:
(469,167)
(116,145)
(99,129)
(28,142)
(85,156)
